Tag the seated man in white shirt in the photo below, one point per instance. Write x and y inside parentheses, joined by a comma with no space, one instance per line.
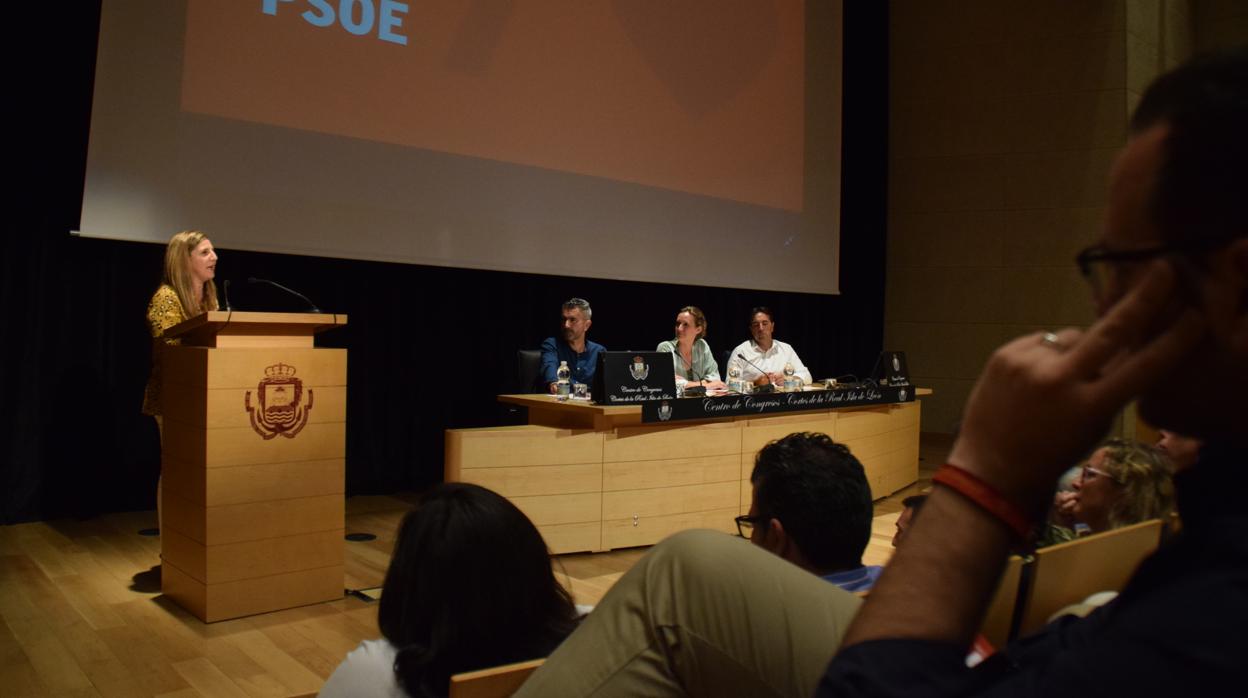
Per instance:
(766,355)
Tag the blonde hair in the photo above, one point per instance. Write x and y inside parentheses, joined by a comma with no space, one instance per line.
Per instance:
(699,320)
(1145,476)
(178,274)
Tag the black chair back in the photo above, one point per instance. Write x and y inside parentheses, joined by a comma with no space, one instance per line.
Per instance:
(528,365)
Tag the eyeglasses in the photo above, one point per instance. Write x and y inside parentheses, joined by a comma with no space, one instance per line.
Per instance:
(1100,265)
(1090,473)
(746,524)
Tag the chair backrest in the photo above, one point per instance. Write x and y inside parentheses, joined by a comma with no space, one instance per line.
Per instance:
(1067,573)
(999,621)
(495,682)
(528,364)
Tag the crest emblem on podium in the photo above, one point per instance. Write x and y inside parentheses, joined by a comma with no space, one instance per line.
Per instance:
(280,409)
(665,411)
(638,369)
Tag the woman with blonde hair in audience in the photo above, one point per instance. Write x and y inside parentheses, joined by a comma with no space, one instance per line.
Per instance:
(1123,482)
(469,587)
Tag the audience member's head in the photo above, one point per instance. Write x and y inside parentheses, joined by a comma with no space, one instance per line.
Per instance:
(811,503)
(1182,450)
(470,586)
(1188,137)
(1124,482)
(911,506)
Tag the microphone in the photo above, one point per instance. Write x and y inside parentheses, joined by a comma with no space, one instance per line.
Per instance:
(311,306)
(227,296)
(764,388)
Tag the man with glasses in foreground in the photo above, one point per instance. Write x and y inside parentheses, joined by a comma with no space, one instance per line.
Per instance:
(1172,334)
(812,506)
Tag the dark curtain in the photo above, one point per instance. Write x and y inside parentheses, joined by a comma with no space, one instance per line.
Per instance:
(429,347)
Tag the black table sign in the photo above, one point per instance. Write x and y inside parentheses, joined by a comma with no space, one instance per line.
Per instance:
(630,377)
(668,410)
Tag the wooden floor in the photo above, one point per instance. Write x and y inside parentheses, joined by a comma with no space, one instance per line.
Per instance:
(82,615)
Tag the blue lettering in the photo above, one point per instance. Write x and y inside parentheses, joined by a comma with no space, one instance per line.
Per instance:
(324,19)
(387,15)
(270,6)
(390,21)
(345,15)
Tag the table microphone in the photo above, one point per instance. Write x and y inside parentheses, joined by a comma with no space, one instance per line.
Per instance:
(311,306)
(227,296)
(767,387)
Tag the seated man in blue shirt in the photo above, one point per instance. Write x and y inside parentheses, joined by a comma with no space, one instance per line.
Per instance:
(580,353)
(812,506)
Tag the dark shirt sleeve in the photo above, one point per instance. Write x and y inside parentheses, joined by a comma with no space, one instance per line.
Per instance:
(1145,652)
(897,668)
(550,362)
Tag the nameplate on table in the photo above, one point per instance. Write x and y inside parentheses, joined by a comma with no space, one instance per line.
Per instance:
(771,403)
(633,377)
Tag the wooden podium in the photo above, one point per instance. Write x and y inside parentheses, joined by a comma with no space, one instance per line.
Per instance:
(253,464)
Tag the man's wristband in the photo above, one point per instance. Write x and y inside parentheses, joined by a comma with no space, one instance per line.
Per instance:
(984,496)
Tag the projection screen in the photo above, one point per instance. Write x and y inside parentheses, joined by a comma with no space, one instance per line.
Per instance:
(680,141)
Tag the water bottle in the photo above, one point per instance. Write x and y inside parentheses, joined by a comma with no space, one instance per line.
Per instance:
(563,384)
(790,377)
(734,379)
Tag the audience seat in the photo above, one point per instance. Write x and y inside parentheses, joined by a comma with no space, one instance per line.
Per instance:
(495,682)
(998,627)
(1067,573)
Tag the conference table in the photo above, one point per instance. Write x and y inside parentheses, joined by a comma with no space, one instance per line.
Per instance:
(596,477)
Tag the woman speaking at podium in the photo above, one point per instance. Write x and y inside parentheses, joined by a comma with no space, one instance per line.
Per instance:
(691,355)
(186,290)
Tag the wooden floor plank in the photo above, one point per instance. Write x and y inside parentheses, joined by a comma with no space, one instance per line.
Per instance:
(144,657)
(281,666)
(17,674)
(44,554)
(54,665)
(207,679)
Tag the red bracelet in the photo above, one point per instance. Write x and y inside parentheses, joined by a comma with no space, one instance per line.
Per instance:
(985,496)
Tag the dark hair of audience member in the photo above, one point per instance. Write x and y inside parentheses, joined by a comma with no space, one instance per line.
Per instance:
(814,485)
(914,501)
(470,586)
(1198,196)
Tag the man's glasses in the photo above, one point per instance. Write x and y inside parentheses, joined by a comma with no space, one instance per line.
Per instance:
(1101,265)
(746,524)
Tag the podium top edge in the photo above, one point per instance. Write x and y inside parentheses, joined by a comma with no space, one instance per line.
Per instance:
(217,319)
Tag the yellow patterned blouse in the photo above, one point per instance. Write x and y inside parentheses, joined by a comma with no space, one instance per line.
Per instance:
(164,311)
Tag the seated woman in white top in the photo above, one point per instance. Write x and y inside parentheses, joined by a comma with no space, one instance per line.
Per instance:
(691,355)
(469,587)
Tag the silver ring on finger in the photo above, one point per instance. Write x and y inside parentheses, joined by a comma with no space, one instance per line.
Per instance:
(1050,340)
